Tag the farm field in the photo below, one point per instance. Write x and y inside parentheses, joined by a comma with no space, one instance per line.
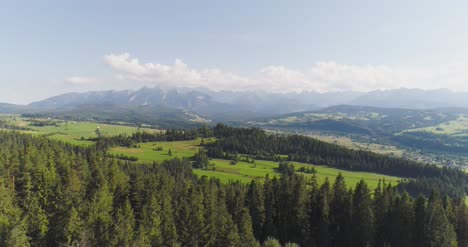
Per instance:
(261,168)
(457,127)
(147,153)
(243,171)
(348,142)
(77,133)
(70,131)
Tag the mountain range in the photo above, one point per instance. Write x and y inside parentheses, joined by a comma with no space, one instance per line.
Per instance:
(204,104)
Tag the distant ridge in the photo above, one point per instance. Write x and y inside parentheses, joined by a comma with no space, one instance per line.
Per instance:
(239,106)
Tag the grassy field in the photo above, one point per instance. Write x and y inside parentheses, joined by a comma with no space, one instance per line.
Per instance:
(261,168)
(245,172)
(457,127)
(147,152)
(348,142)
(71,131)
(321,116)
(77,132)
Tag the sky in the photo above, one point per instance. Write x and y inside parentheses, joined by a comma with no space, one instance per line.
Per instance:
(52,47)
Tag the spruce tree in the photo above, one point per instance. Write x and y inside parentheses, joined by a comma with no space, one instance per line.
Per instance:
(254,202)
(124,226)
(168,227)
(18,236)
(271,242)
(340,214)
(269,228)
(150,226)
(363,217)
(299,204)
(402,219)
(245,230)
(322,215)
(74,229)
(100,219)
(438,231)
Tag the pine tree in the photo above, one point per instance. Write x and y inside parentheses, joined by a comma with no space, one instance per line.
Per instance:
(137,191)
(254,202)
(37,221)
(291,245)
(18,236)
(142,239)
(210,202)
(340,214)
(462,227)
(232,238)
(100,219)
(438,230)
(322,222)
(402,222)
(271,242)
(168,227)
(419,218)
(300,210)
(269,228)
(245,230)
(150,226)
(74,228)
(363,218)
(124,225)
(9,212)
(190,219)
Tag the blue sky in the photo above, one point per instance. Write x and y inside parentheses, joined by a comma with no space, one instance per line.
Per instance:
(51,47)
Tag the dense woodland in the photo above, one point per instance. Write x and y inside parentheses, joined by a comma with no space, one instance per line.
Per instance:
(56,194)
(433,142)
(256,142)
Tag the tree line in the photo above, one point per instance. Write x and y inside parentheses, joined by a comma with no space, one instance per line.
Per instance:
(56,194)
(104,143)
(256,142)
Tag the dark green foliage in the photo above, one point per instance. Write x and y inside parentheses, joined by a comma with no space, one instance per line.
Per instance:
(123,157)
(433,142)
(362,216)
(340,214)
(258,143)
(310,170)
(255,203)
(55,194)
(200,159)
(104,143)
(286,168)
(437,228)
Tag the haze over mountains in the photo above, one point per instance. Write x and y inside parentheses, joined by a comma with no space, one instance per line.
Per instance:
(231,105)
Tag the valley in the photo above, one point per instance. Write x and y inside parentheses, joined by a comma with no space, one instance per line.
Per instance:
(233,123)
(85,133)
(436,136)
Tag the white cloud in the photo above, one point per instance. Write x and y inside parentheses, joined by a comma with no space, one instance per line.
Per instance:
(322,76)
(80,80)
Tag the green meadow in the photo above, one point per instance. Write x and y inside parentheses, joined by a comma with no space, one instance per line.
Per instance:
(146,152)
(71,131)
(245,172)
(77,133)
(458,127)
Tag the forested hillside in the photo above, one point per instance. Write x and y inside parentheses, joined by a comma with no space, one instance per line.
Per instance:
(257,142)
(55,194)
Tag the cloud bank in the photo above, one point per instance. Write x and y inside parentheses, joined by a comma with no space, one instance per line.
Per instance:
(321,76)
